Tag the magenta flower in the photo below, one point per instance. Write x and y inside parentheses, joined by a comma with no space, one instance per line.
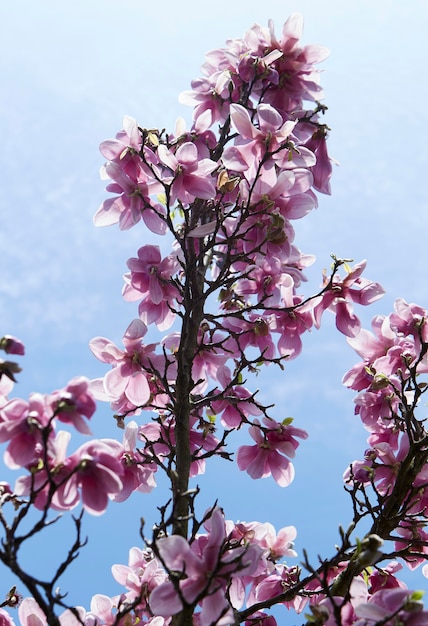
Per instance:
(205,568)
(353,288)
(210,96)
(143,572)
(209,361)
(297,65)
(72,403)
(415,541)
(269,456)
(96,475)
(322,169)
(38,484)
(128,376)
(384,578)
(391,606)
(127,143)
(234,406)
(190,175)
(410,319)
(137,471)
(254,142)
(21,424)
(267,281)
(132,202)
(30,614)
(150,278)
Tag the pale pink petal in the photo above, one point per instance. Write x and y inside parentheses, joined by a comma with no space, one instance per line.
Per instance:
(241,122)
(164,600)
(282,471)
(187,153)
(203,230)
(137,389)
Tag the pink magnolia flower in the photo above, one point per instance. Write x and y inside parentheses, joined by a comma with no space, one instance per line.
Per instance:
(353,288)
(72,403)
(410,319)
(234,406)
(21,424)
(296,66)
(291,321)
(385,578)
(274,443)
(266,280)
(377,407)
(415,540)
(204,569)
(322,169)
(38,485)
(390,607)
(209,362)
(254,142)
(138,472)
(279,544)
(127,144)
(143,573)
(151,278)
(130,367)
(275,583)
(190,175)
(96,475)
(132,202)
(252,332)
(209,98)
(30,614)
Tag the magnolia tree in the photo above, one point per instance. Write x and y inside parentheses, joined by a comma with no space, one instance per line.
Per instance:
(227,300)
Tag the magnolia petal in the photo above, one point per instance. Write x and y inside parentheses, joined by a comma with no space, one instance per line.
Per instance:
(203,230)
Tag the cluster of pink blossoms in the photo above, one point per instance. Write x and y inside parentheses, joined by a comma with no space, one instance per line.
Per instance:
(390,390)
(98,471)
(227,191)
(228,199)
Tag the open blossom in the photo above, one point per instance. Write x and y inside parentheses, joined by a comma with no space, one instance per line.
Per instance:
(127,144)
(73,403)
(129,374)
(95,476)
(151,280)
(30,614)
(254,331)
(254,142)
(21,424)
(391,607)
(190,176)
(132,202)
(144,572)
(91,475)
(410,319)
(274,443)
(137,470)
(205,567)
(353,288)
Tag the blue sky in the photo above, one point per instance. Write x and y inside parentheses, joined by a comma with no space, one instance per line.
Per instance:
(69,71)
